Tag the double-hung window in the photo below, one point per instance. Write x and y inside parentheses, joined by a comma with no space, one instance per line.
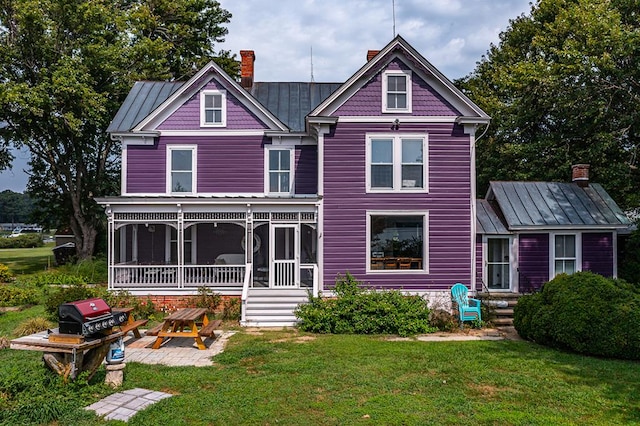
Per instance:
(396,163)
(565,254)
(213,108)
(279,162)
(396,91)
(181,169)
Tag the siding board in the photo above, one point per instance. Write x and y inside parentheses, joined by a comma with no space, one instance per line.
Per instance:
(448,206)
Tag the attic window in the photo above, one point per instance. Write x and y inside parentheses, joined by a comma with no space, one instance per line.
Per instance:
(213,108)
(396,91)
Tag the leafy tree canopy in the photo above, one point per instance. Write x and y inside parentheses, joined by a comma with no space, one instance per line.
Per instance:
(15,207)
(563,87)
(65,68)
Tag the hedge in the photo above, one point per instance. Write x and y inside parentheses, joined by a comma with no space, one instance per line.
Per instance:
(585,313)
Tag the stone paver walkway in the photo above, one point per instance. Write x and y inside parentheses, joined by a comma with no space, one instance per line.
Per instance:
(175,351)
(124,405)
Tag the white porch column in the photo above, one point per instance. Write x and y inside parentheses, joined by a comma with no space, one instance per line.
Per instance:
(110,246)
(180,247)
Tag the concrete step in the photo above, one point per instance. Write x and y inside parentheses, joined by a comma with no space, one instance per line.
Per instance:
(503,312)
(500,322)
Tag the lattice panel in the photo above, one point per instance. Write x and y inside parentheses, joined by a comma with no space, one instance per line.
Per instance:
(145,216)
(215,216)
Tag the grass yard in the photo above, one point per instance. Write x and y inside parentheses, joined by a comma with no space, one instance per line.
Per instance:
(291,378)
(28,260)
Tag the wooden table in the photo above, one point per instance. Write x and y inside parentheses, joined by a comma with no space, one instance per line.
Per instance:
(131,324)
(68,358)
(183,323)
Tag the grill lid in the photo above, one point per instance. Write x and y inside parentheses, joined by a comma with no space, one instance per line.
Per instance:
(88,317)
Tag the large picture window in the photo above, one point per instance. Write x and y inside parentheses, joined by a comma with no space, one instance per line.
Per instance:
(396,242)
(213,110)
(396,91)
(181,169)
(396,163)
(279,171)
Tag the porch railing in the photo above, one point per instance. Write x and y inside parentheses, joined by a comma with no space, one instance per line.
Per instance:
(131,277)
(169,276)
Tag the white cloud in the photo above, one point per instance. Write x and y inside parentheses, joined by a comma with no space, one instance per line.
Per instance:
(451,34)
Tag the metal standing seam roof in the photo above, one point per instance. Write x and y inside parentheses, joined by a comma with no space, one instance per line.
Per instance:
(142,100)
(292,102)
(487,219)
(555,204)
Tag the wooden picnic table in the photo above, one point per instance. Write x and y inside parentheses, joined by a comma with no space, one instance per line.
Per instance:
(184,323)
(67,354)
(132,324)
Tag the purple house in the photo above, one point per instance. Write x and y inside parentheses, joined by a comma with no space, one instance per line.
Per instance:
(529,232)
(268,191)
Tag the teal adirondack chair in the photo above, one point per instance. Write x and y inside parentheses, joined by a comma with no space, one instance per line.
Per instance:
(468,308)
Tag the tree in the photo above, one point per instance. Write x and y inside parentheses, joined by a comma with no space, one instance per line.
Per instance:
(65,68)
(563,87)
(15,207)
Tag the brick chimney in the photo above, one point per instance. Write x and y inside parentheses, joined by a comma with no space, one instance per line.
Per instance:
(580,174)
(371,54)
(246,68)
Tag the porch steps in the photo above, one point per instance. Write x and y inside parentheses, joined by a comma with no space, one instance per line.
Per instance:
(501,305)
(273,307)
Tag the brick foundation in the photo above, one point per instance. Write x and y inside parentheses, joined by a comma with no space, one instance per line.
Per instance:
(172,303)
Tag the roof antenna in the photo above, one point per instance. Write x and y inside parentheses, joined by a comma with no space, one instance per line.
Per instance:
(312,64)
(393,7)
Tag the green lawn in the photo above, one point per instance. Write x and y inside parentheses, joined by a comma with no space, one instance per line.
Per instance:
(290,378)
(28,260)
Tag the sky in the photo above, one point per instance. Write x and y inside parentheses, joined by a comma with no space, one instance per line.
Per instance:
(295,40)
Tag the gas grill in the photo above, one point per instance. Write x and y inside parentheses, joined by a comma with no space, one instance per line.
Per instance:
(88,317)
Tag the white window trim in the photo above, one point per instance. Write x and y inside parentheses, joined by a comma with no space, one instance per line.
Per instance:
(397,162)
(552,252)
(425,241)
(203,94)
(194,169)
(292,158)
(385,107)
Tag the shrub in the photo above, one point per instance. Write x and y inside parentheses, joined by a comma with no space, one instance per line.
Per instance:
(15,296)
(22,241)
(54,277)
(33,325)
(585,313)
(57,296)
(5,274)
(231,309)
(443,320)
(124,299)
(208,299)
(93,271)
(357,310)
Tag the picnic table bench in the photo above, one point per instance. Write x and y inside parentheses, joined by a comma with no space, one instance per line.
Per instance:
(183,323)
(207,330)
(132,324)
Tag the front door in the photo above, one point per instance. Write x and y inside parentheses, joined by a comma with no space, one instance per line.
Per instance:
(285,243)
(498,264)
